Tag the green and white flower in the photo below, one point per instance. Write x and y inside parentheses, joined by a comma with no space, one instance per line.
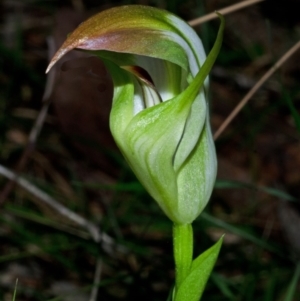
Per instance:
(159,117)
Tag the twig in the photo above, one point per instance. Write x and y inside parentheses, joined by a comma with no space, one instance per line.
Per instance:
(35,131)
(223,11)
(265,77)
(64,211)
(107,241)
(97,277)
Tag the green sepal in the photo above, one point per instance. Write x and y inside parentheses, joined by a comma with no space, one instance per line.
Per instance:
(193,286)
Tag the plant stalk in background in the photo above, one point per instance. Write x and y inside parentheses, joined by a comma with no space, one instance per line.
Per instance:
(159,118)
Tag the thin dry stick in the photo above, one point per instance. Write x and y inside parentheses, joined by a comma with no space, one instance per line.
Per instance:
(265,77)
(107,241)
(34,133)
(97,279)
(223,11)
(64,211)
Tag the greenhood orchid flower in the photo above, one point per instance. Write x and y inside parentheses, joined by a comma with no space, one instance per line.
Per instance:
(159,117)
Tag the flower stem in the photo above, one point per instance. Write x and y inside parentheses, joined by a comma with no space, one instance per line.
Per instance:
(183,251)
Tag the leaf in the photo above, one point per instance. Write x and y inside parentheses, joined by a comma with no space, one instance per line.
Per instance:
(15,290)
(293,109)
(193,286)
(226,184)
(293,285)
(241,232)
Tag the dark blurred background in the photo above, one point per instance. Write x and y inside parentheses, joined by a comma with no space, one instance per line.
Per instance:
(70,156)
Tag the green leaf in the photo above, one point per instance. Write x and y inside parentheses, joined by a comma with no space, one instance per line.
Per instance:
(294,111)
(227,184)
(15,291)
(293,284)
(192,288)
(241,232)
(222,283)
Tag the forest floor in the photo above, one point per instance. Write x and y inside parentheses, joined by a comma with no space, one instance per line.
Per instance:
(63,179)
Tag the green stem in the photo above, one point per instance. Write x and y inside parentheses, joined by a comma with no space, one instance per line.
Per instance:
(183,251)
